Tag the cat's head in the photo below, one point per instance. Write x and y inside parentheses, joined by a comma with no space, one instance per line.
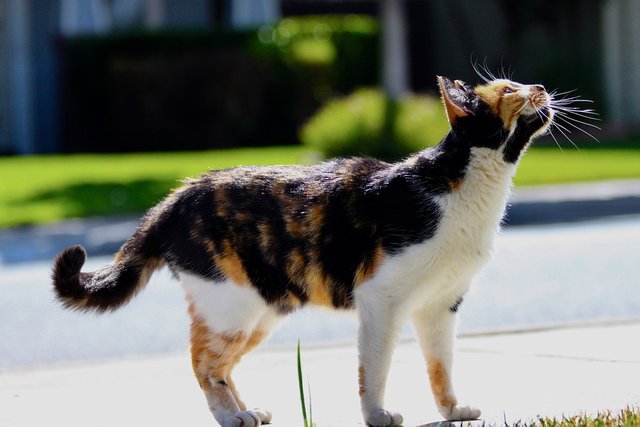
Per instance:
(500,114)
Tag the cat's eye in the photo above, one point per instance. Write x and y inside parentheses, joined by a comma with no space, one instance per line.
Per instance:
(507,91)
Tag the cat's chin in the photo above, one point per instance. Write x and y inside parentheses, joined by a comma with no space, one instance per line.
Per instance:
(548,113)
(543,118)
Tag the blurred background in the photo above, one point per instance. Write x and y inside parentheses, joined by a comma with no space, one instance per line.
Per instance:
(105,105)
(139,75)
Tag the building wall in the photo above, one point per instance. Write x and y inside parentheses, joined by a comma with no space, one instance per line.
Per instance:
(45,88)
(621,59)
(555,42)
(4,83)
(18,69)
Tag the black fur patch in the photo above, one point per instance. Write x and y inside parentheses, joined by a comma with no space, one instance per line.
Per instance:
(454,308)
(526,127)
(66,273)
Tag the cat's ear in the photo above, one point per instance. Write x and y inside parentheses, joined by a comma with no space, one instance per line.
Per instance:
(454,95)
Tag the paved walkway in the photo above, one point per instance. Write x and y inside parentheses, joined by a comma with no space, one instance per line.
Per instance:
(513,377)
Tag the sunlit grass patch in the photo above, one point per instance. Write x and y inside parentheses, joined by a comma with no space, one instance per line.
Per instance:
(550,165)
(628,417)
(40,189)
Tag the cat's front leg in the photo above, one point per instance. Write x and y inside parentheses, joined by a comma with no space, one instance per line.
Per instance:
(435,326)
(377,334)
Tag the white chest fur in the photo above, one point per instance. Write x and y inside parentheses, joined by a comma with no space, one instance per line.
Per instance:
(443,266)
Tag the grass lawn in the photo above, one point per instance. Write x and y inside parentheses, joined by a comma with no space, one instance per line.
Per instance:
(628,417)
(549,165)
(42,189)
(49,188)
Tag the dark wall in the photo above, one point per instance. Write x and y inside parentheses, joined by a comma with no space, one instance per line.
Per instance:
(556,42)
(208,89)
(144,93)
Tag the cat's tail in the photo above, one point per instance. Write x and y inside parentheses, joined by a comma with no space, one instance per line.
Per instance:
(107,288)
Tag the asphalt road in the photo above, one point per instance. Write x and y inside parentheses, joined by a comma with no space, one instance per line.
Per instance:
(539,276)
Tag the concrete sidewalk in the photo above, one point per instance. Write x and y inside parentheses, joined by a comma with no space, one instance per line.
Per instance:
(513,377)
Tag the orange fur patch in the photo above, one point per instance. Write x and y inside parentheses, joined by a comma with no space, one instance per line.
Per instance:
(491,94)
(222,205)
(455,185)
(213,356)
(254,339)
(267,241)
(361,378)
(236,395)
(230,265)
(507,106)
(440,384)
(294,226)
(315,219)
(213,366)
(366,270)
(304,271)
(317,286)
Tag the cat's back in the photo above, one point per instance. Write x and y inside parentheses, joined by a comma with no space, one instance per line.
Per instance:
(330,175)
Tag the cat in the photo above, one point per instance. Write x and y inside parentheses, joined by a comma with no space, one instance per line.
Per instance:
(388,240)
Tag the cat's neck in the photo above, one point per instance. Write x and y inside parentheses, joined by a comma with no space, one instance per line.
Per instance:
(453,164)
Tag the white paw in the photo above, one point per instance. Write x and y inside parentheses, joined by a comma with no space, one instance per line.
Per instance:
(382,418)
(460,413)
(265,416)
(242,419)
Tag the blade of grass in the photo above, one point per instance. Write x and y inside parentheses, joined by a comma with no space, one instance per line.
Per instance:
(300,385)
(310,405)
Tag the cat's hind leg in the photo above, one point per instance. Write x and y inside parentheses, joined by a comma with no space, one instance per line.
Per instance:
(227,321)
(254,340)
(435,326)
(213,357)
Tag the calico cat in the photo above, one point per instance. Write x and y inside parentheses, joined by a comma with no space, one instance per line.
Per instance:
(388,240)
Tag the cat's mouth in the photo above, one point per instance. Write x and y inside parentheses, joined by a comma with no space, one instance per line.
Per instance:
(536,99)
(537,107)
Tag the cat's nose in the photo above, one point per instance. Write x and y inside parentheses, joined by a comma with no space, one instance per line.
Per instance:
(537,88)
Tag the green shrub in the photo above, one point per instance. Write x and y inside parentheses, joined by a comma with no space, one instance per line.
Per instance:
(366,123)
(329,54)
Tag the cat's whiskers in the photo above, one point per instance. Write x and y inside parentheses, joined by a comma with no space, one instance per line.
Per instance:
(550,128)
(523,107)
(568,116)
(482,70)
(586,114)
(555,93)
(568,121)
(554,138)
(565,131)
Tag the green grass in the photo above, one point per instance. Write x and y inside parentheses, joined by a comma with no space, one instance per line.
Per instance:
(307,421)
(549,165)
(49,188)
(43,189)
(628,417)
